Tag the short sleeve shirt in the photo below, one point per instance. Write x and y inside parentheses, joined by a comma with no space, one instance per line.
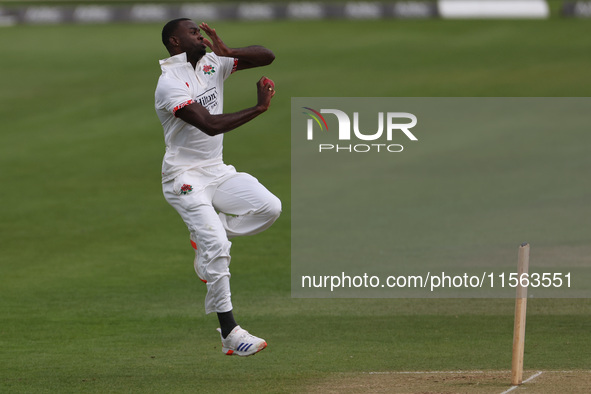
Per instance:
(178,86)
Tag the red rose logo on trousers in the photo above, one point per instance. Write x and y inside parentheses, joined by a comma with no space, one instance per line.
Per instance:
(186,189)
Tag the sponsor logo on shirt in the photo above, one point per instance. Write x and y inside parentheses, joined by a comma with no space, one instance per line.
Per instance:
(208,99)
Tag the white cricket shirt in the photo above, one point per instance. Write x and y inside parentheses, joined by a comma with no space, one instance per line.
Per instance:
(180,85)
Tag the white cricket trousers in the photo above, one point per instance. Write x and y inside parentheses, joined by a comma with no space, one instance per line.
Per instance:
(218,203)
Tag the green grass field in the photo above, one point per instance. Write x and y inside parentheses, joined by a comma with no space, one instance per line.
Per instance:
(98,290)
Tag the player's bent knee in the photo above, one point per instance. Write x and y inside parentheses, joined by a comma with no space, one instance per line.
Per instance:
(273,208)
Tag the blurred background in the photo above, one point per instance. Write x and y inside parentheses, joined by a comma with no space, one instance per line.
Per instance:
(98,292)
(97,11)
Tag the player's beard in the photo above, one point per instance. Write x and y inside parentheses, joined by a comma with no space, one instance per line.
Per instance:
(198,52)
(195,53)
(202,51)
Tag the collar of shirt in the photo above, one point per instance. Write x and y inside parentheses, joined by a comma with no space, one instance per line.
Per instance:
(176,60)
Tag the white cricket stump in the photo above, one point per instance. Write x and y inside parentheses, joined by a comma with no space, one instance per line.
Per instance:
(520,311)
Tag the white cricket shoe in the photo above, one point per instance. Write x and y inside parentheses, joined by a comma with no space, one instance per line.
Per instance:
(241,343)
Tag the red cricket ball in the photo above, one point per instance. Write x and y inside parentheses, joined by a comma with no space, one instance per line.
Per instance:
(267,80)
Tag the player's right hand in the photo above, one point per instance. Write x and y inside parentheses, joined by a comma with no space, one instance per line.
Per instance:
(265,91)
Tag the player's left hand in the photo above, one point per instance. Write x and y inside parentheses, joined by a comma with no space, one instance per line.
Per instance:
(214,43)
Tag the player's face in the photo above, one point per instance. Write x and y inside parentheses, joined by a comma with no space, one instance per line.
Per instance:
(190,39)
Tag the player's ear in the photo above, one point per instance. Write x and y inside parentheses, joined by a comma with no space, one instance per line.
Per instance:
(174,42)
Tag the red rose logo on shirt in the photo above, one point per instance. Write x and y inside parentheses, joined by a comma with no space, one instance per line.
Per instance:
(208,70)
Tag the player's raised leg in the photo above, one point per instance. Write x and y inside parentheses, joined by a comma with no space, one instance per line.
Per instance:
(246,206)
